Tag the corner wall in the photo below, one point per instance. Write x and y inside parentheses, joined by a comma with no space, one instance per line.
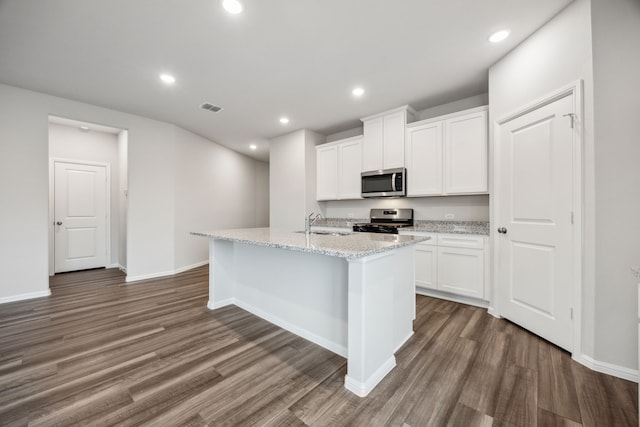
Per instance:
(561,52)
(152,182)
(616,76)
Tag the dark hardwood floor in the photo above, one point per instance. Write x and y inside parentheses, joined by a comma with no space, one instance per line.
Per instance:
(101,352)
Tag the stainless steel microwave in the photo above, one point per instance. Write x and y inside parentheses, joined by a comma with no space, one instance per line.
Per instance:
(384,183)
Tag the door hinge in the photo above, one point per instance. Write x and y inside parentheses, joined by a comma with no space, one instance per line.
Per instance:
(571,313)
(571,217)
(572,116)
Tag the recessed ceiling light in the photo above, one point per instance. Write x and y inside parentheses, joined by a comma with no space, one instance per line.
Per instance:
(253,147)
(498,36)
(232,6)
(84,128)
(284,120)
(358,91)
(167,78)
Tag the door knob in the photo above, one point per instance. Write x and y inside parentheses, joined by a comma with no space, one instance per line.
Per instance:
(59,223)
(502,230)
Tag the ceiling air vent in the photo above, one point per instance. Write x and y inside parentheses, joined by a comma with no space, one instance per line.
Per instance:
(210,107)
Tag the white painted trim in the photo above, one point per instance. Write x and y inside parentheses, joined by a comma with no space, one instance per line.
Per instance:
(406,108)
(22,297)
(162,273)
(452,297)
(575,88)
(404,341)
(122,268)
(223,303)
(149,276)
(107,166)
(361,389)
(480,109)
(608,368)
(191,267)
(310,336)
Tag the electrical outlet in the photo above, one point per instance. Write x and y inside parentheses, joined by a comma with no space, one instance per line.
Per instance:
(449,216)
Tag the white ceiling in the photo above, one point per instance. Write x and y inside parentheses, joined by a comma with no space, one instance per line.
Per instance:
(299,58)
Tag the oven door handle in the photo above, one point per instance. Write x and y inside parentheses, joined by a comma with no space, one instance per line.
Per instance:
(393,181)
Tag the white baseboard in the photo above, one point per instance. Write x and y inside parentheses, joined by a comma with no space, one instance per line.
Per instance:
(163,273)
(149,276)
(360,388)
(452,297)
(192,266)
(22,297)
(309,336)
(114,265)
(608,368)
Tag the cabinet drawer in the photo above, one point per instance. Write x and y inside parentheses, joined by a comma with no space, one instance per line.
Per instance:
(461,241)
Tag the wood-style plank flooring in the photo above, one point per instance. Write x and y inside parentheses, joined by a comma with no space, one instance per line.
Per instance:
(102,352)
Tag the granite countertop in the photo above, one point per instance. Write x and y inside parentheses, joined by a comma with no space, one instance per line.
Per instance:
(453,227)
(355,245)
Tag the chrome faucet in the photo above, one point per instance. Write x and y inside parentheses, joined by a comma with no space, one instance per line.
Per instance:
(308,222)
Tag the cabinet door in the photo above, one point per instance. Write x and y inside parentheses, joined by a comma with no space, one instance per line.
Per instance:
(327,173)
(461,271)
(372,145)
(350,165)
(393,139)
(424,160)
(426,266)
(466,154)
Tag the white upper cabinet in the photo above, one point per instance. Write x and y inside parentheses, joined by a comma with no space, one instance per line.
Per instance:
(383,141)
(327,172)
(424,160)
(465,154)
(448,155)
(349,168)
(338,166)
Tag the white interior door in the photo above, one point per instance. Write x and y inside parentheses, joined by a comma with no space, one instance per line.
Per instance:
(535,233)
(80,216)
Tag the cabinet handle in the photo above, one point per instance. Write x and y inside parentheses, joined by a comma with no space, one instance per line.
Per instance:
(502,230)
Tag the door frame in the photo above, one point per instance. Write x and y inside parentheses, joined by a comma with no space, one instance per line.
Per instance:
(51,227)
(576,89)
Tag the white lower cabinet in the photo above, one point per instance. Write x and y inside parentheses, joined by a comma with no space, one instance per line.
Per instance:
(427,264)
(453,264)
(461,271)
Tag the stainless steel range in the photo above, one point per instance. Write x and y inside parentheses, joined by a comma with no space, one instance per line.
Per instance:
(386,221)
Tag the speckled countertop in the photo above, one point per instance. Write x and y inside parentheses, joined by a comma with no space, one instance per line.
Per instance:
(350,246)
(454,227)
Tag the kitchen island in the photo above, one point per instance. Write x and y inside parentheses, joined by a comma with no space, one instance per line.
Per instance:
(353,294)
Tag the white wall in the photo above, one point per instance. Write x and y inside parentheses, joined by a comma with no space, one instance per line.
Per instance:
(616,77)
(215,188)
(464,208)
(556,55)
(560,53)
(70,143)
(262,194)
(123,138)
(152,150)
(24,191)
(292,178)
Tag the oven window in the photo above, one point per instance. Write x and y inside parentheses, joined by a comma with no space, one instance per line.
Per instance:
(376,184)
